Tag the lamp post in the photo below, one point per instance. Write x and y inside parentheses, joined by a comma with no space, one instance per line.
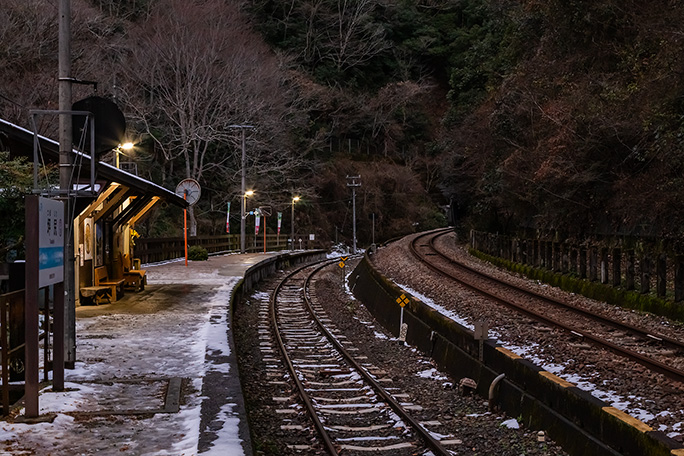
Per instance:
(242,187)
(294,200)
(243,216)
(119,149)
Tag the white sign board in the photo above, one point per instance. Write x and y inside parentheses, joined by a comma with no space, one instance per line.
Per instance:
(50,242)
(88,235)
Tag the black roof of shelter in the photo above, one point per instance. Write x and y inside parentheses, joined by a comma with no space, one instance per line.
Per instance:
(19,141)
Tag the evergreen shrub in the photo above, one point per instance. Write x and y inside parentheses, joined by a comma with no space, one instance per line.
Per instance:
(198,253)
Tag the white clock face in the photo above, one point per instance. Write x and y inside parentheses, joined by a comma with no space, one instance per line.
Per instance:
(190,189)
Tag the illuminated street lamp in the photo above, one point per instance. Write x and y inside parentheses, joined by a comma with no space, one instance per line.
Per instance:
(242,187)
(243,216)
(119,150)
(294,200)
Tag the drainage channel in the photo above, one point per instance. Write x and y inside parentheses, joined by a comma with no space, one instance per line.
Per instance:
(171,402)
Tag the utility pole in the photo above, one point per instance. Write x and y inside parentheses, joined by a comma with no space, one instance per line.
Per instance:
(242,194)
(354,184)
(65,149)
(243,188)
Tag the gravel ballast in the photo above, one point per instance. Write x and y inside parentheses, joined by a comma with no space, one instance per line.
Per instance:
(649,397)
(466,417)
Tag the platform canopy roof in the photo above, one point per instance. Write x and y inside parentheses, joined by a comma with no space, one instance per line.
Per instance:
(19,142)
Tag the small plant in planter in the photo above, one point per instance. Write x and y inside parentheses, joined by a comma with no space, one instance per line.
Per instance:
(197,253)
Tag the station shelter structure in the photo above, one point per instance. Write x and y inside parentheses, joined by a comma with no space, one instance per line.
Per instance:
(104,217)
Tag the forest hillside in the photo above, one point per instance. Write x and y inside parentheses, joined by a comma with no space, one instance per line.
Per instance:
(561,115)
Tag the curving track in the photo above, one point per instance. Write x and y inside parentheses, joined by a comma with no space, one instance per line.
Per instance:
(654,351)
(351,404)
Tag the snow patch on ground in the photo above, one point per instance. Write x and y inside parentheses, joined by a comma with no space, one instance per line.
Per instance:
(124,363)
(432,373)
(338,250)
(534,353)
(444,311)
(228,442)
(379,335)
(511,424)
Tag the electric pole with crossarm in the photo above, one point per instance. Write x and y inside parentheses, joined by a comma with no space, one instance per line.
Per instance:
(355,182)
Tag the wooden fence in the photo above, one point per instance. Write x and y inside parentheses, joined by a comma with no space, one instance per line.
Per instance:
(153,250)
(643,266)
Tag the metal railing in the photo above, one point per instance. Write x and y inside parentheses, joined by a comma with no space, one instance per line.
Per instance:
(152,250)
(11,335)
(12,342)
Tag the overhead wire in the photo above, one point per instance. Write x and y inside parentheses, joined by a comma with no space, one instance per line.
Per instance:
(4,97)
(41,158)
(81,147)
(77,165)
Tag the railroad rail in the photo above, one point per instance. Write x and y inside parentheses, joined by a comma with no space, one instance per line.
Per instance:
(497,290)
(350,403)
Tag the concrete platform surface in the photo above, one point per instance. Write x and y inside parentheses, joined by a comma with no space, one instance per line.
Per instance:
(155,373)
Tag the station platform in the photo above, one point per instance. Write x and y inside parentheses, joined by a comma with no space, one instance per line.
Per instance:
(155,373)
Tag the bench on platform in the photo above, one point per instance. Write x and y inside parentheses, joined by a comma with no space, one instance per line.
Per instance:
(96,294)
(134,279)
(102,280)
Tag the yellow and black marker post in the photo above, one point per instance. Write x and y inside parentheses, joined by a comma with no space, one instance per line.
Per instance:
(342,265)
(403,328)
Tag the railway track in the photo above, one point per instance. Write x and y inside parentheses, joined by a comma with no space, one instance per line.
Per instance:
(351,404)
(654,351)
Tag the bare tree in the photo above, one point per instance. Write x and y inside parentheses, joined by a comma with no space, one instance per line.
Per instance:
(201,69)
(389,107)
(356,38)
(342,32)
(28,40)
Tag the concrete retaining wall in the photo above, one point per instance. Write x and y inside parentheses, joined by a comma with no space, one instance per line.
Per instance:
(268,267)
(582,424)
